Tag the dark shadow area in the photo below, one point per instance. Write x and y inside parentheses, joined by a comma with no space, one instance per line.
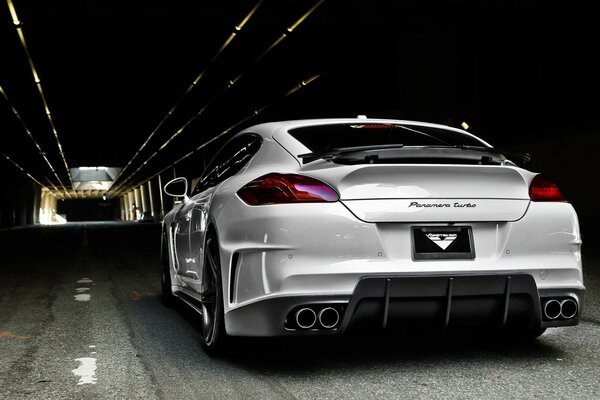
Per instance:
(35,241)
(292,355)
(82,210)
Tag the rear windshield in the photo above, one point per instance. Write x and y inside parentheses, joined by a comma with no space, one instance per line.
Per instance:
(323,138)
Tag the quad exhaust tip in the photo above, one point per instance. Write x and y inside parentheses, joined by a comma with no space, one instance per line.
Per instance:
(329,317)
(314,317)
(306,318)
(552,309)
(566,309)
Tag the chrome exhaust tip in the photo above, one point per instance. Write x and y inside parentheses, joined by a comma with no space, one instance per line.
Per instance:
(306,318)
(329,317)
(568,308)
(552,309)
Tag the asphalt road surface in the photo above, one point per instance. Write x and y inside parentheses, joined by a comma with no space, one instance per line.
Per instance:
(80,318)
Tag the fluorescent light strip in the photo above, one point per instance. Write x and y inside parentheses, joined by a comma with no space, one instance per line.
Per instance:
(230,84)
(238,28)
(54,187)
(285,34)
(23,171)
(37,80)
(254,114)
(30,135)
(179,131)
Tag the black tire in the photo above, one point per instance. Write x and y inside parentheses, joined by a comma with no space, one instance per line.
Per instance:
(214,336)
(166,294)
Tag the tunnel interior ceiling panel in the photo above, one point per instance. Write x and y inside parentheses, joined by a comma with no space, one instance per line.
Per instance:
(93,179)
(139,85)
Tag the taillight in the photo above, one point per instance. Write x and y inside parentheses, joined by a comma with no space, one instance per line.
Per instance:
(286,188)
(542,189)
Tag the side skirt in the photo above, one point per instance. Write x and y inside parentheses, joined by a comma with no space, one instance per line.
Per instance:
(189,300)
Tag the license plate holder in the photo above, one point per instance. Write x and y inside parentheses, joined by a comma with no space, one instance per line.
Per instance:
(442,243)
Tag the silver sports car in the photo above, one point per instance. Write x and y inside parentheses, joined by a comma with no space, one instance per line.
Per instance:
(320,227)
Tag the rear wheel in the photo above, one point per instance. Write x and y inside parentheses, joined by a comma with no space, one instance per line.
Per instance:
(166,294)
(213,320)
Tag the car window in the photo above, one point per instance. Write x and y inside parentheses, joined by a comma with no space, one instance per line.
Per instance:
(324,138)
(229,160)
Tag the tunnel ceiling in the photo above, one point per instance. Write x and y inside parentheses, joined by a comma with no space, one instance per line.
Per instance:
(139,84)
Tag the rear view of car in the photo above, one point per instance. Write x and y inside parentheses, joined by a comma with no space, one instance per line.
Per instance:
(340,225)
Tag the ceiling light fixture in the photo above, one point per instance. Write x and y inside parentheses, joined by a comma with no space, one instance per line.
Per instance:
(37,80)
(280,38)
(13,13)
(304,83)
(30,135)
(306,15)
(227,42)
(23,171)
(230,83)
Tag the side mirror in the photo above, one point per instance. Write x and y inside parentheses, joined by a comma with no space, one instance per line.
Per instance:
(177,187)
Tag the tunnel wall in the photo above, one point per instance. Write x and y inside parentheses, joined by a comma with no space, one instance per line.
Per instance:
(19,198)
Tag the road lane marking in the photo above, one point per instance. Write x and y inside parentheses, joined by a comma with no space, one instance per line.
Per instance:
(8,334)
(86,371)
(83,297)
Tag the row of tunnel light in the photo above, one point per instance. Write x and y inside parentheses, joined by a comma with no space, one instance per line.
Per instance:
(120,189)
(237,29)
(17,23)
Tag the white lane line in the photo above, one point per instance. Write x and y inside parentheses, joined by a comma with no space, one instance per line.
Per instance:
(86,371)
(82,297)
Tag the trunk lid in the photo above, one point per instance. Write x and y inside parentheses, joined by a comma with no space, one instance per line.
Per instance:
(427,192)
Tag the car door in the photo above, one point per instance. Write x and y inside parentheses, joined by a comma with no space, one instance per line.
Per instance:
(197,215)
(181,238)
(180,227)
(189,223)
(228,162)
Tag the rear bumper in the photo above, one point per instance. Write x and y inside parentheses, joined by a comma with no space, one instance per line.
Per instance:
(405,302)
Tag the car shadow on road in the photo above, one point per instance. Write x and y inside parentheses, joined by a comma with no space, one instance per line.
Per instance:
(292,355)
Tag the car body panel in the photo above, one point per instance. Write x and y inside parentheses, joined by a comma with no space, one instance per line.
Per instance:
(283,258)
(378,193)
(189,230)
(357,182)
(467,209)
(321,251)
